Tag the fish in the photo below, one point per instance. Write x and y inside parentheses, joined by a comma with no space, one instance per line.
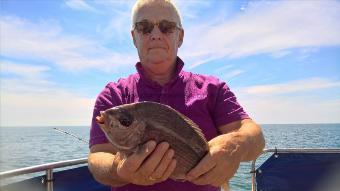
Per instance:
(129,126)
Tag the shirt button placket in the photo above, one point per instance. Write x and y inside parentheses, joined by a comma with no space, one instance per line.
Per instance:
(164,93)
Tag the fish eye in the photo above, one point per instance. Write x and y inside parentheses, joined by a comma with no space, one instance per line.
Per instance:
(125,119)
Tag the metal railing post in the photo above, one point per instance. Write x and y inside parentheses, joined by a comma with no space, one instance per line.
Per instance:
(253,175)
(49,179)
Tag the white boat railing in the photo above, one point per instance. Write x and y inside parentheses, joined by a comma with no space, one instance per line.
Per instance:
(44,167)
(48,168)
(288,150)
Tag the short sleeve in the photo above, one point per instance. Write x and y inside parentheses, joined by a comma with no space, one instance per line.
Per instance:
(109,97)
(227,109)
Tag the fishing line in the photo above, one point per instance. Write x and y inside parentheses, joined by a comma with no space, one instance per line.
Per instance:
(70,134)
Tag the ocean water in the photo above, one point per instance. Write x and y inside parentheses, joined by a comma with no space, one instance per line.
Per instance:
(26,146)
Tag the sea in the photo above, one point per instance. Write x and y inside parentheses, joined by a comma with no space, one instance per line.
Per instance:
(27,146)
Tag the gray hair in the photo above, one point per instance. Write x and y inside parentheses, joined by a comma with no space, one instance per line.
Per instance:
(163,3)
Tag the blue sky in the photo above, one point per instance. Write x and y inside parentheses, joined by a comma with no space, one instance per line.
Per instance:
(281,58)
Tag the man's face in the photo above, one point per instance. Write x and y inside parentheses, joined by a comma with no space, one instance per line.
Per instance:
(156,47)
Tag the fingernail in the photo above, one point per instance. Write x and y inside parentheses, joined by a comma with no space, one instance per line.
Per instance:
(165,145)
(150,146)
(171,153)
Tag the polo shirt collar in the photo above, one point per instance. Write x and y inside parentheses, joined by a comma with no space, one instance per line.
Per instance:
(179,66)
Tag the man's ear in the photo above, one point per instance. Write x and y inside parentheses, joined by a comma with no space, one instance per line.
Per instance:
(181,38)
(133,37)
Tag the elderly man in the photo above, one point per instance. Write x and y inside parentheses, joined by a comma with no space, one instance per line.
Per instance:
(233,137)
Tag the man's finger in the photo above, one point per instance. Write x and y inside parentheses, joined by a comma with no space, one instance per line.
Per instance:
(169,170)
(163,165)
(134,161)
(154,159)
(203,166)
(211,177)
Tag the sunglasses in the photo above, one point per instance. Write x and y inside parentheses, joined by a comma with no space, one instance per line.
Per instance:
(164,26)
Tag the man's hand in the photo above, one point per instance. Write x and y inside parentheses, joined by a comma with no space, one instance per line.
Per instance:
(219,165)
(240,141)
(149,165)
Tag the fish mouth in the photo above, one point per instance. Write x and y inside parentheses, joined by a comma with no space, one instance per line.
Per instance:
(101,119)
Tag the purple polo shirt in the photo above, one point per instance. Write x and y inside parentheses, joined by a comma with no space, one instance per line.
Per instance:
(204,99)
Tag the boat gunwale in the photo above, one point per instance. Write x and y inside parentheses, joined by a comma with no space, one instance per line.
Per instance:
(42,167)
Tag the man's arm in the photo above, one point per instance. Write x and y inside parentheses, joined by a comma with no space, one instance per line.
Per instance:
(247,135)
(103,164)
(240,141)
(149,165)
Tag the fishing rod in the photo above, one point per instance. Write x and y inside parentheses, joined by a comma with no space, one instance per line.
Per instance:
(70,134)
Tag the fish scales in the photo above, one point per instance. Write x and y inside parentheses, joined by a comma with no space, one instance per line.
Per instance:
(130,125)
(163,114)
(186,158)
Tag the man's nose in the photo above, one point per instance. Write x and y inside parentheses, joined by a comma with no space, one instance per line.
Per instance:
(155,34)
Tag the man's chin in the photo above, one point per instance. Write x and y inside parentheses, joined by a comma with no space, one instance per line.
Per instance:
(157,60)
